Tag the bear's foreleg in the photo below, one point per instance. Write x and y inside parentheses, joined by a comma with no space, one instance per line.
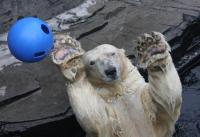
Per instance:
(90,109)
(164,84)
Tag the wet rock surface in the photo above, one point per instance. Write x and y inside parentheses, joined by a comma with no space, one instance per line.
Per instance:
(189,123)
(33,100)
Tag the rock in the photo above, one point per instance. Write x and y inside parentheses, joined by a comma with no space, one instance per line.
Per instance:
(79,14)
(127,21)
(35,94)
(11,10)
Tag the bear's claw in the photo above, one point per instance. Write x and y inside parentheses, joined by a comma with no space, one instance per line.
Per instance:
(65,49)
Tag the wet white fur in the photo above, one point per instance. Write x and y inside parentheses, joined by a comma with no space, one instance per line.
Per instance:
(127,107)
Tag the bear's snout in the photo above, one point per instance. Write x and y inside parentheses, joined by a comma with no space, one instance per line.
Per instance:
(111,72)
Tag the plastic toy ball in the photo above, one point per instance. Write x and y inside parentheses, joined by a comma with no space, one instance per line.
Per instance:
(30,39)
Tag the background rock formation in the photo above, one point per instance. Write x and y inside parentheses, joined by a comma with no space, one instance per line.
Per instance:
(33,100)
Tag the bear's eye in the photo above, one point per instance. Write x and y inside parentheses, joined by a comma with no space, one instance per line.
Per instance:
(92,63)
(113,54)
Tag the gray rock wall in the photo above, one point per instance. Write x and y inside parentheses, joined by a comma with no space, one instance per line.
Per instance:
(10,10)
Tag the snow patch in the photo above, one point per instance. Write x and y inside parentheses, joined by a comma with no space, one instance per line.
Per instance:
(3,37)
(3,91)
(82,10)
(64,20)
(5,56)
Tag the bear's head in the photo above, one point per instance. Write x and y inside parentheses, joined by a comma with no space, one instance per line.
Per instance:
(105,63)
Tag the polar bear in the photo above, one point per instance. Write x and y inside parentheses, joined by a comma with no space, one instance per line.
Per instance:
(109,96)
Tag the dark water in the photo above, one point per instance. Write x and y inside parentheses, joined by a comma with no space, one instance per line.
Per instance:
(188,65)
(188,124)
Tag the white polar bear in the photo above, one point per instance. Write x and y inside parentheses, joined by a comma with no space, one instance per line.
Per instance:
(109,96)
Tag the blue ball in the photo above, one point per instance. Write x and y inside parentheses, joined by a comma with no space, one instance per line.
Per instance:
(30,39)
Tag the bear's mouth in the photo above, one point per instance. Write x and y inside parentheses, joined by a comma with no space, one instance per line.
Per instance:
(111,77)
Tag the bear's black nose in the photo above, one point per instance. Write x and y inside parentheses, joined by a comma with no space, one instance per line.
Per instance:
(111,72)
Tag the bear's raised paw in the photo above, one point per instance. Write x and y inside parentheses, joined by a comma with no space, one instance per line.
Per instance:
(67,54)
(150,48)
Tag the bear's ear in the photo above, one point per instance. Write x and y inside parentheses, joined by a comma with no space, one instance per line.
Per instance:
(65,48)
(122,51)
